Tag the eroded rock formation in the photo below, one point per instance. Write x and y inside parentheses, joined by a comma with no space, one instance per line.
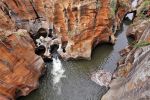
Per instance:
(79,25)
(133,73)
(20,68)
(75,25)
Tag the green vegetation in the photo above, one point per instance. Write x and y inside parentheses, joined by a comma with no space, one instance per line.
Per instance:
(123,4)
(3,38)
(141,44)
(141,15)
(144,9)
(71,33)
(146,3)
(20,32)
(98,4)
(113,4)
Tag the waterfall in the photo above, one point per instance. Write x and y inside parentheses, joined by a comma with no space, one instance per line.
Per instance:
(134,3)
(130,16)
(57,71)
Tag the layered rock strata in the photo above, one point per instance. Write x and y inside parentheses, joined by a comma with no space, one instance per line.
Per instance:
(20,67)
(133,73)
(78,25)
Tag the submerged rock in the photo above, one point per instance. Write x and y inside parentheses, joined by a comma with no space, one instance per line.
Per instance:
(102,78)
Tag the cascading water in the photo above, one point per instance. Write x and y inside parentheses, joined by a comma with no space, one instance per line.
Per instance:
(78,84)
(131,15)
(46,47)
(58,73)
(134,3)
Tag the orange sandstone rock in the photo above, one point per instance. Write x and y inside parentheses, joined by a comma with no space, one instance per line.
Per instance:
(20,68)
(81,24)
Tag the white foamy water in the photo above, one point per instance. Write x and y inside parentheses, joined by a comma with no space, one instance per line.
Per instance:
(58,74)
(134,3)
(130,16)
(57,71)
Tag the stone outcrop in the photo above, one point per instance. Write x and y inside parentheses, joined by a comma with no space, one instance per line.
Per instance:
(75,25)
(20,67)
(79,25)
(133,73)
(101,77)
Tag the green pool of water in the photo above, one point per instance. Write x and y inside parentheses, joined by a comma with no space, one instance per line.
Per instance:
(77,84)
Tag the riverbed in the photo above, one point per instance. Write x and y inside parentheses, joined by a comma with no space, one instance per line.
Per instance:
(74,83)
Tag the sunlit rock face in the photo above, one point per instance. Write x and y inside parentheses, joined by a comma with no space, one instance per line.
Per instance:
(75,25)
(133,81)
(20,67)
(79,24)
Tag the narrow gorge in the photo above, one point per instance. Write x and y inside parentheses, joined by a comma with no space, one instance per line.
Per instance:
(74,49)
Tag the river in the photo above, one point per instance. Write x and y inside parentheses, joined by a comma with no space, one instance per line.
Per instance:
(71,80)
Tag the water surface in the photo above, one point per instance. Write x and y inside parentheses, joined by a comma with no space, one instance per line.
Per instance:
(76,83)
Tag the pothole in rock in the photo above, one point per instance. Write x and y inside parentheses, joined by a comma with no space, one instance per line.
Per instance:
(47,44)
(40,50)
(64,44)
(130,16)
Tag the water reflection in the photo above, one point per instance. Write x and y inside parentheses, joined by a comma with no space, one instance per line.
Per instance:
(113,58)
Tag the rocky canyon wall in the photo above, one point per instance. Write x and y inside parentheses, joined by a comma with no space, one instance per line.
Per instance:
(20,67)
(133,73)
(75,25)
(79,25)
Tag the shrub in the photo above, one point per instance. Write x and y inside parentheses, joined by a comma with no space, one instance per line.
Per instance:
(141,44)
(71,33)
(113,4)
(3,38)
